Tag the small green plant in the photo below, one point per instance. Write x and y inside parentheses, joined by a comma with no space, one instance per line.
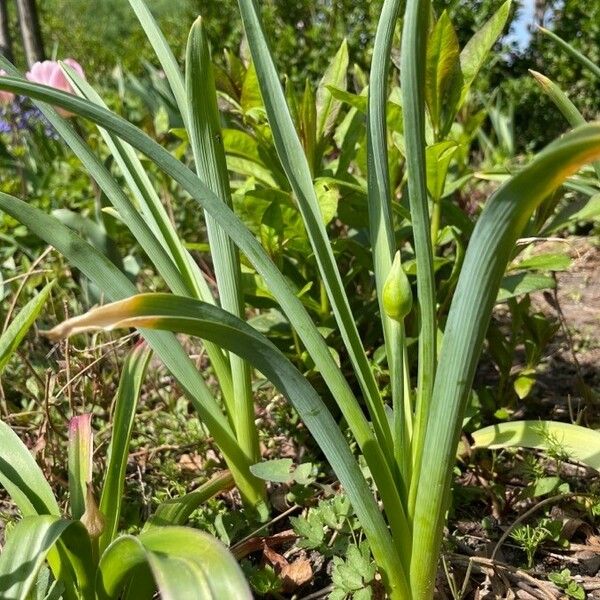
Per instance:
(353,575)
(531,537)
(565,582)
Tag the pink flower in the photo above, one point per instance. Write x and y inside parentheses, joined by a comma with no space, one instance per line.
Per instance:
(5,97)
(49,73)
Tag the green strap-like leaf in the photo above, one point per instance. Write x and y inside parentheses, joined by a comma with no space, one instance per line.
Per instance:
(569,111)
(581,444)
(584,60)
(473,55)
(184,315)
(298,172)
(177,510)
(211,165)
(381,224)
(19,326)
(492,244)
(28,546)
(412,81)
(130,383)
(186,564)
(22,478)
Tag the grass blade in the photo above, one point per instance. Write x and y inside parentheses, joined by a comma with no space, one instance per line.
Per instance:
(130,383)
(19,326)
(492,242)
(584,60)
(569,111)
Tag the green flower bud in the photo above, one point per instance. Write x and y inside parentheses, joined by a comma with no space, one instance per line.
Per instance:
(397,294)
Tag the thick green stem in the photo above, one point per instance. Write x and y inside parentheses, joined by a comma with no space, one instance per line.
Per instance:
(412,79)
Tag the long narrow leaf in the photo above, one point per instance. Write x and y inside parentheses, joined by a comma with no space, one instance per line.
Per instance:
(297,169)
(130,384)
(317,348)
(183,315)
(80,454)
(19,326)
(584,60)
(492,242)
(412,81)
(177,510)
(581,444)
(209,154)
(381,224)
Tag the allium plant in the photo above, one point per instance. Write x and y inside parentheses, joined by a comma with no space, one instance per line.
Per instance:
(410,447)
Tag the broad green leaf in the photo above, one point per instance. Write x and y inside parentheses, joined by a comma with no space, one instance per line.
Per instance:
(492,243)
(130,383)
(177,510)
(443,81)
(518,284)
(251,97)
(580,444)
(80,454)
(186,564)
(184,315)
(278,470)
(28,546)
(328,196)
(19,326)
(438,160)
(473,55)
(22,478)
(328,107)
(549,261)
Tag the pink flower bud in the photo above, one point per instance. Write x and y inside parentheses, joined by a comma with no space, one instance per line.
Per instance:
(50,73)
